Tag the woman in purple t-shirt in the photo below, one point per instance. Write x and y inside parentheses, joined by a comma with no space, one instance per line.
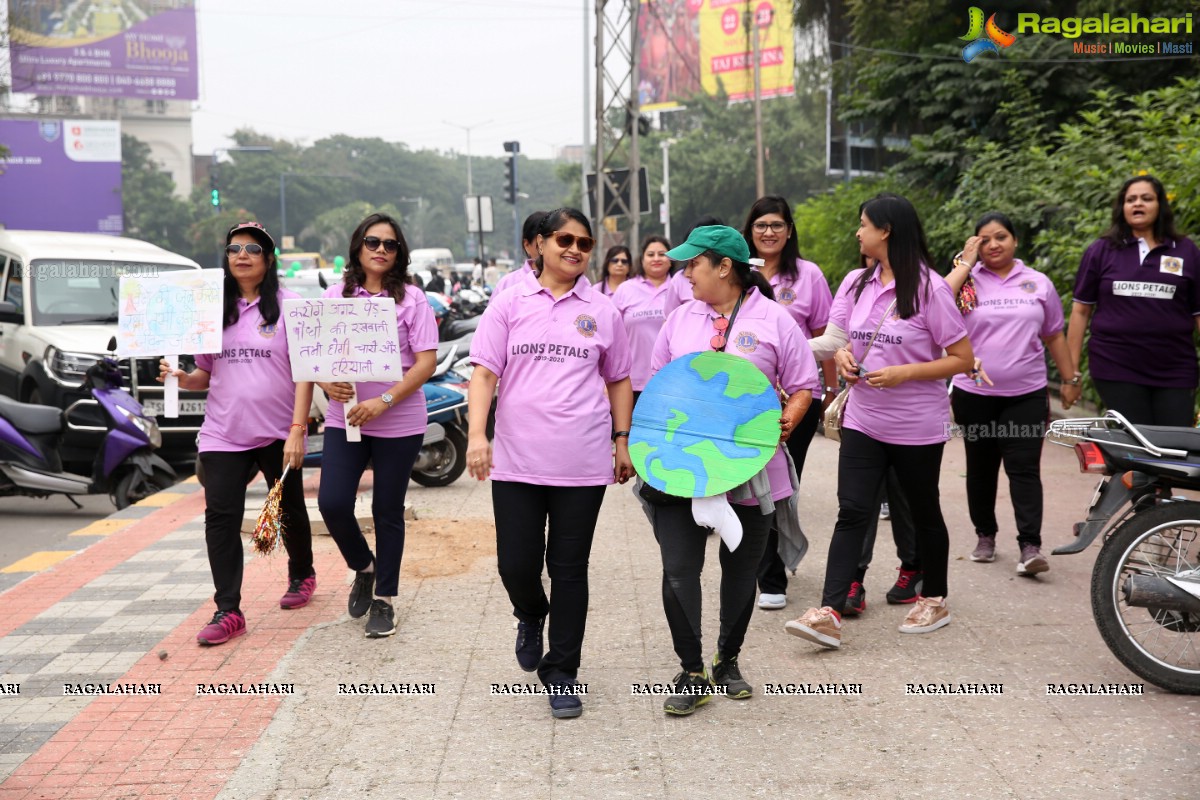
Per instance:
(1013,315)
(391,419)
(252,400)
(1138,287)
(900,317)
(617,267)
(801,290)
(557,350)
(640,304)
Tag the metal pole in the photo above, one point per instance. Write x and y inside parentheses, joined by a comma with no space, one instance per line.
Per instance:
(598,205)
(635,105)
(760,183)
(479,216)
(282,207)
(583,159)
(666,188)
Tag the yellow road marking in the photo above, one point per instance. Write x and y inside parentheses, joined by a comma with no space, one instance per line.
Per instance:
(160,499)
(36,562)
(103,527)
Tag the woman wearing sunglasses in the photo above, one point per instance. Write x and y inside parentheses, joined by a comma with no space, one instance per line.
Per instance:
(734,312)
(557,348)
(618,264)
(640,303)
(392,420)
(256,418)
(906,336)
(800,288)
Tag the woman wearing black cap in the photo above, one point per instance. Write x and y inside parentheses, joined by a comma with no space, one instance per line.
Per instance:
(256,417)
(734,305)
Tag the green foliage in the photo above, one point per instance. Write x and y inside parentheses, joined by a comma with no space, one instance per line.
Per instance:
(332,228)
(151,210)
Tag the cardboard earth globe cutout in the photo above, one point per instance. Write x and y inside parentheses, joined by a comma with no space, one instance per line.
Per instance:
(705,423)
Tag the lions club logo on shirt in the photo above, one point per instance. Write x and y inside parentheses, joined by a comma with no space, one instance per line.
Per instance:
(1028,287)
(1171,265)
(746,342)
(786,296)
(267,330)
(586,325)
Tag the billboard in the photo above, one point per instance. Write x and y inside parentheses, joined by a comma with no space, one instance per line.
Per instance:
(113,48)
(693,46)
(61,175)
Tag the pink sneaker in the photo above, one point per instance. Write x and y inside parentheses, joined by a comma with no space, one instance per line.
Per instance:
(299,592)
(225,625)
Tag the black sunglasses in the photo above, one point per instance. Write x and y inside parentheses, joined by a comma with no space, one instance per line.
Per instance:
(389,245)
(252,249)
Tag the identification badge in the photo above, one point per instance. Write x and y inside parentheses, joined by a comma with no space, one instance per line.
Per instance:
(1171,265)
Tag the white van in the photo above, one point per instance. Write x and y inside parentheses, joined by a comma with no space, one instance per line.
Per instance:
(58,311)
(431,258)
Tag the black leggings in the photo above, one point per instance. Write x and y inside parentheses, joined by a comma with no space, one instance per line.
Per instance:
(1006,430)
(225,474)
(682,543)
(1149,405)
(862,467)
(523,545)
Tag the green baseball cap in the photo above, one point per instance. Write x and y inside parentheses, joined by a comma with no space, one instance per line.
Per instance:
(721,239)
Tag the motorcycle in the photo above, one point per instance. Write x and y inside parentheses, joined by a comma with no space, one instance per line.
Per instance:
(1145,587)
(126,467)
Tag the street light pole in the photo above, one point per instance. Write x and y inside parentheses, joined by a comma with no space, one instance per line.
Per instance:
(666,186)
(470,190)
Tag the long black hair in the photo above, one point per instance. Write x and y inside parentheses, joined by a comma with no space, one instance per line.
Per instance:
(612,253)
(268,290)
(908,253)
(774,204)
(553,221)
(395,279)
(746,276)
(1120,233)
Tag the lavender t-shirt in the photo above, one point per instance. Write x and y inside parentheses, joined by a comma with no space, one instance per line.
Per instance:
(915,412)
(251,394)
(763,333)
(1011,316)
(640,304)
(416,328)
(806,297)
(554,358)
(679,292)
(513,278)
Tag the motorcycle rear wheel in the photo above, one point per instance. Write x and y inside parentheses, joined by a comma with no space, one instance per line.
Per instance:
(1161,646)
(134,486)
(450,459)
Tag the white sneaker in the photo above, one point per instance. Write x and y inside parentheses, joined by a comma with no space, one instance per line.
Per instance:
(772,602)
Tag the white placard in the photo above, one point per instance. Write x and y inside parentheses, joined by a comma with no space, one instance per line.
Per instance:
(343,339)
(175,311)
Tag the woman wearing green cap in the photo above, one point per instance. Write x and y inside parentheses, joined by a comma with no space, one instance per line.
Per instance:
(734,312)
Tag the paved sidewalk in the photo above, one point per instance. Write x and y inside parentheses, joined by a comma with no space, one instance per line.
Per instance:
(125,612)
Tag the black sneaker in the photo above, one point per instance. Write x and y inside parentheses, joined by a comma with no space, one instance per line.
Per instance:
(529,644)
(725,673)
(382,621)
(856,600)
(695,689)
(907,587)
(564,702)
(361,592)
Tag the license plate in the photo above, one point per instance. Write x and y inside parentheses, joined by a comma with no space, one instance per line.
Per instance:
(188,408)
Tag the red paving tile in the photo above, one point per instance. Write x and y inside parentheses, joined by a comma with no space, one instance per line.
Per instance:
(176,744)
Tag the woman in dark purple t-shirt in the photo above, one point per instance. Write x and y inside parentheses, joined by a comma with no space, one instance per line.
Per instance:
(1139,288)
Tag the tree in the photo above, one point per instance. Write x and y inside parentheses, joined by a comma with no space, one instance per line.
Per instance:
(151,210)
(332,229)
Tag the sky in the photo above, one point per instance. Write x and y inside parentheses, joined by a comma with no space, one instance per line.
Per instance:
(400,70)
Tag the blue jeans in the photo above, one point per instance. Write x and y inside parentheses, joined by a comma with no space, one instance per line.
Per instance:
(342,465)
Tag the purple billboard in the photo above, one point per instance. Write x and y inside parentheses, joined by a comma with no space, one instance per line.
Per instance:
(61,175)
(132,48)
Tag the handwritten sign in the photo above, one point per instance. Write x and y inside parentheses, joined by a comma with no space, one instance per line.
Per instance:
(169,313)
(343,339)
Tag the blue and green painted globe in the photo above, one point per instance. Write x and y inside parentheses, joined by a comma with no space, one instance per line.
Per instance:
(705,423)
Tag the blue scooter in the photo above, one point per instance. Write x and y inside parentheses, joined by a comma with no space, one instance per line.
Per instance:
(126,467)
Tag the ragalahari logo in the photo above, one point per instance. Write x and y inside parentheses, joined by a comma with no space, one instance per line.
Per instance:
(984,38)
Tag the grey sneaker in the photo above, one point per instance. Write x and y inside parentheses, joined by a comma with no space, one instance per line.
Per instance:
(1032,561)
(382,620)
(694,688)
(985,551)
(725,673)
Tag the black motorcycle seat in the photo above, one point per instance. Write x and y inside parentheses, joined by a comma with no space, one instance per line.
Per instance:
(1163,436)
(29,418)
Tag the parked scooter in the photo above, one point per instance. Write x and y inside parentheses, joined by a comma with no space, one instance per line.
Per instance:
(126,467)
(1145,586)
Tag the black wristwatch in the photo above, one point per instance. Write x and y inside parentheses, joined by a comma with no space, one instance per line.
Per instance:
(620,433)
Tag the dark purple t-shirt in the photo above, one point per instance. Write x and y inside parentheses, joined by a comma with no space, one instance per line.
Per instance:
(1144,312)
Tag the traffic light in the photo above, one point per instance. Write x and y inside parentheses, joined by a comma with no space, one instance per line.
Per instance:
(510,171)
(215,197)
